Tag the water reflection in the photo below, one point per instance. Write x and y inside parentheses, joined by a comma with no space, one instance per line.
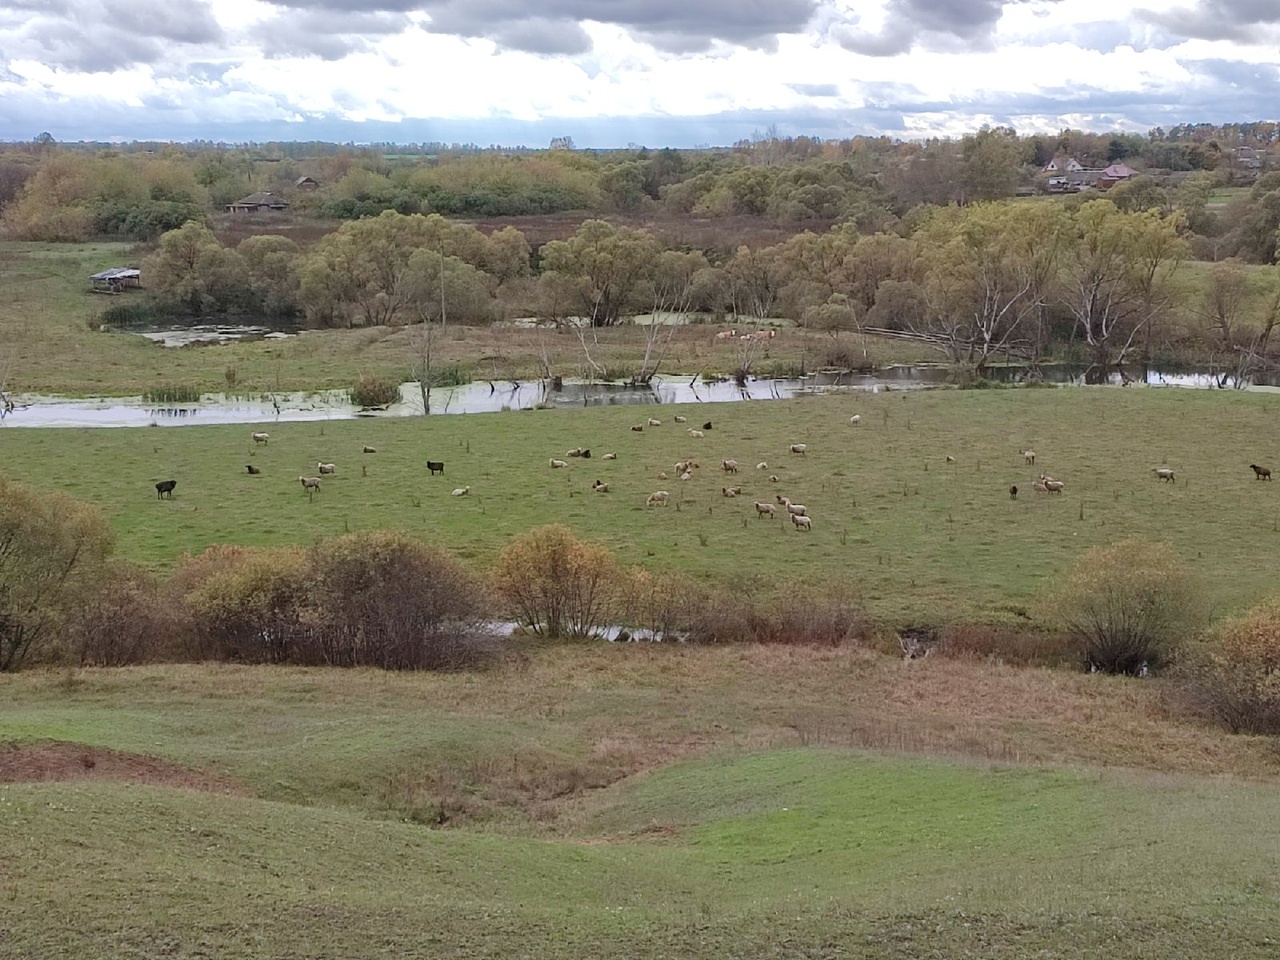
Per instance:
(494,396)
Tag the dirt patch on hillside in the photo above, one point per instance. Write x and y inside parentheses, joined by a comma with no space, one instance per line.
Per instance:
(51,761)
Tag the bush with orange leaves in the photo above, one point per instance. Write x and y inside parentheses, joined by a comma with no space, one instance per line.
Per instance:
(556,585)
(1234,678)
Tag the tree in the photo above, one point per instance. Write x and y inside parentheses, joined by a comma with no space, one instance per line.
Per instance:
(607,264)
(271,273)
(674,282)
(1115,270)
(193,268)
(1224,303)
(557,585)
(52,551)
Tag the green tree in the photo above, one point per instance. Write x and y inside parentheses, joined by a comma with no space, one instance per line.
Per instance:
(193,268)
(607,265)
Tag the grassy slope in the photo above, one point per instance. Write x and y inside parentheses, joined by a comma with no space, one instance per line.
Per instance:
(748,847)
(49,342)
(924,538)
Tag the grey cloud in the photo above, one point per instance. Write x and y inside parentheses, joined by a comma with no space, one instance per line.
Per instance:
(553,26)
(815,89)
(327,34)
(100,35)
(1217,19)
(937,24)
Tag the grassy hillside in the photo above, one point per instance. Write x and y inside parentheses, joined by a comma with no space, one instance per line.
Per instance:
(697,823)
(924,537)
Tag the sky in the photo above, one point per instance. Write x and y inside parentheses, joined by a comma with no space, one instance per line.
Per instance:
(609,73)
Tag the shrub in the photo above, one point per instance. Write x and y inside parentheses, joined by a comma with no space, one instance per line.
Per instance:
(1235,677)
(384,599)
(1021,646)
(1128,605)
(52,549)
(557,585)
(125,621)
(374,392)
(245,603)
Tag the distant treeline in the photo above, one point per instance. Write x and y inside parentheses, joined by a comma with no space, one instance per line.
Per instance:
(51,191)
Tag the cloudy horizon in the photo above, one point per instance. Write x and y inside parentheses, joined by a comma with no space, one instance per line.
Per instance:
(609,73)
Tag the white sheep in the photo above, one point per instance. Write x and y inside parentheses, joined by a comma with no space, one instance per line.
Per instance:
(575,452)
(261,437)
(683,465)
(687,475)
(1054,486)
(801,521)
(662,474)
(781,499)
(600,487)
(610,456)
(1164,473)
(797,509)
(460,492)
(679,419)
(799,448)
(557,464)
(730,491)
(765,510)
(327,467)
(856,419)
(762,465)
(659,497)
(1039,487)
(694,433)
(654,423)
(729,466)
(1029,456)
(310,484)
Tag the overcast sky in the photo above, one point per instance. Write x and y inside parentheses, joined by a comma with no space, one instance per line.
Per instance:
(612,72)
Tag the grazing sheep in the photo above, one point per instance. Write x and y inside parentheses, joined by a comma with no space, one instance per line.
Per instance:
(1054,486)
(1029,456)
(801,521)
(460,492)
(687,475)
(707,425)
(799,448)
(797,509)
(729,466)
(680,419)
(638,427)
(1013,492)
(1163,473)
(662,474)
(730,491)
(658,497)
(253,471)
(1039,487)
(654,423)
(575,452)
(765,510)
(435,466)
(1261,473)
(311,485)
(557,464)
(165,488)
(326,467)
(368,450)
(683,465)
(600,486)
(774,479)
(261,437)
(610,456)
(856,419)
(762,465)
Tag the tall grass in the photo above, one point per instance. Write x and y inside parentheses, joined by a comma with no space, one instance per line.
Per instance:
(172,393)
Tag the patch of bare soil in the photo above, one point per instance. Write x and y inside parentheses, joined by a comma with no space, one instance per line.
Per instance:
(50,761)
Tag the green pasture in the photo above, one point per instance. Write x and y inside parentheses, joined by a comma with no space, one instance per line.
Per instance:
(750,846)
(923,536)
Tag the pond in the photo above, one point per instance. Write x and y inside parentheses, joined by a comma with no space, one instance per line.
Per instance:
(485,396)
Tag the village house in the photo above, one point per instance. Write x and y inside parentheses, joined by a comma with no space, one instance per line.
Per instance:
(258,202)
(1063,165)
(307,183)
(115,279)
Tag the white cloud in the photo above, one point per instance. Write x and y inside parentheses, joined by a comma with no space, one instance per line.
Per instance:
(1039,64)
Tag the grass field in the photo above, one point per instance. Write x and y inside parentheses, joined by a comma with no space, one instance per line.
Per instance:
(925,539)
(635,802)
(50,342)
